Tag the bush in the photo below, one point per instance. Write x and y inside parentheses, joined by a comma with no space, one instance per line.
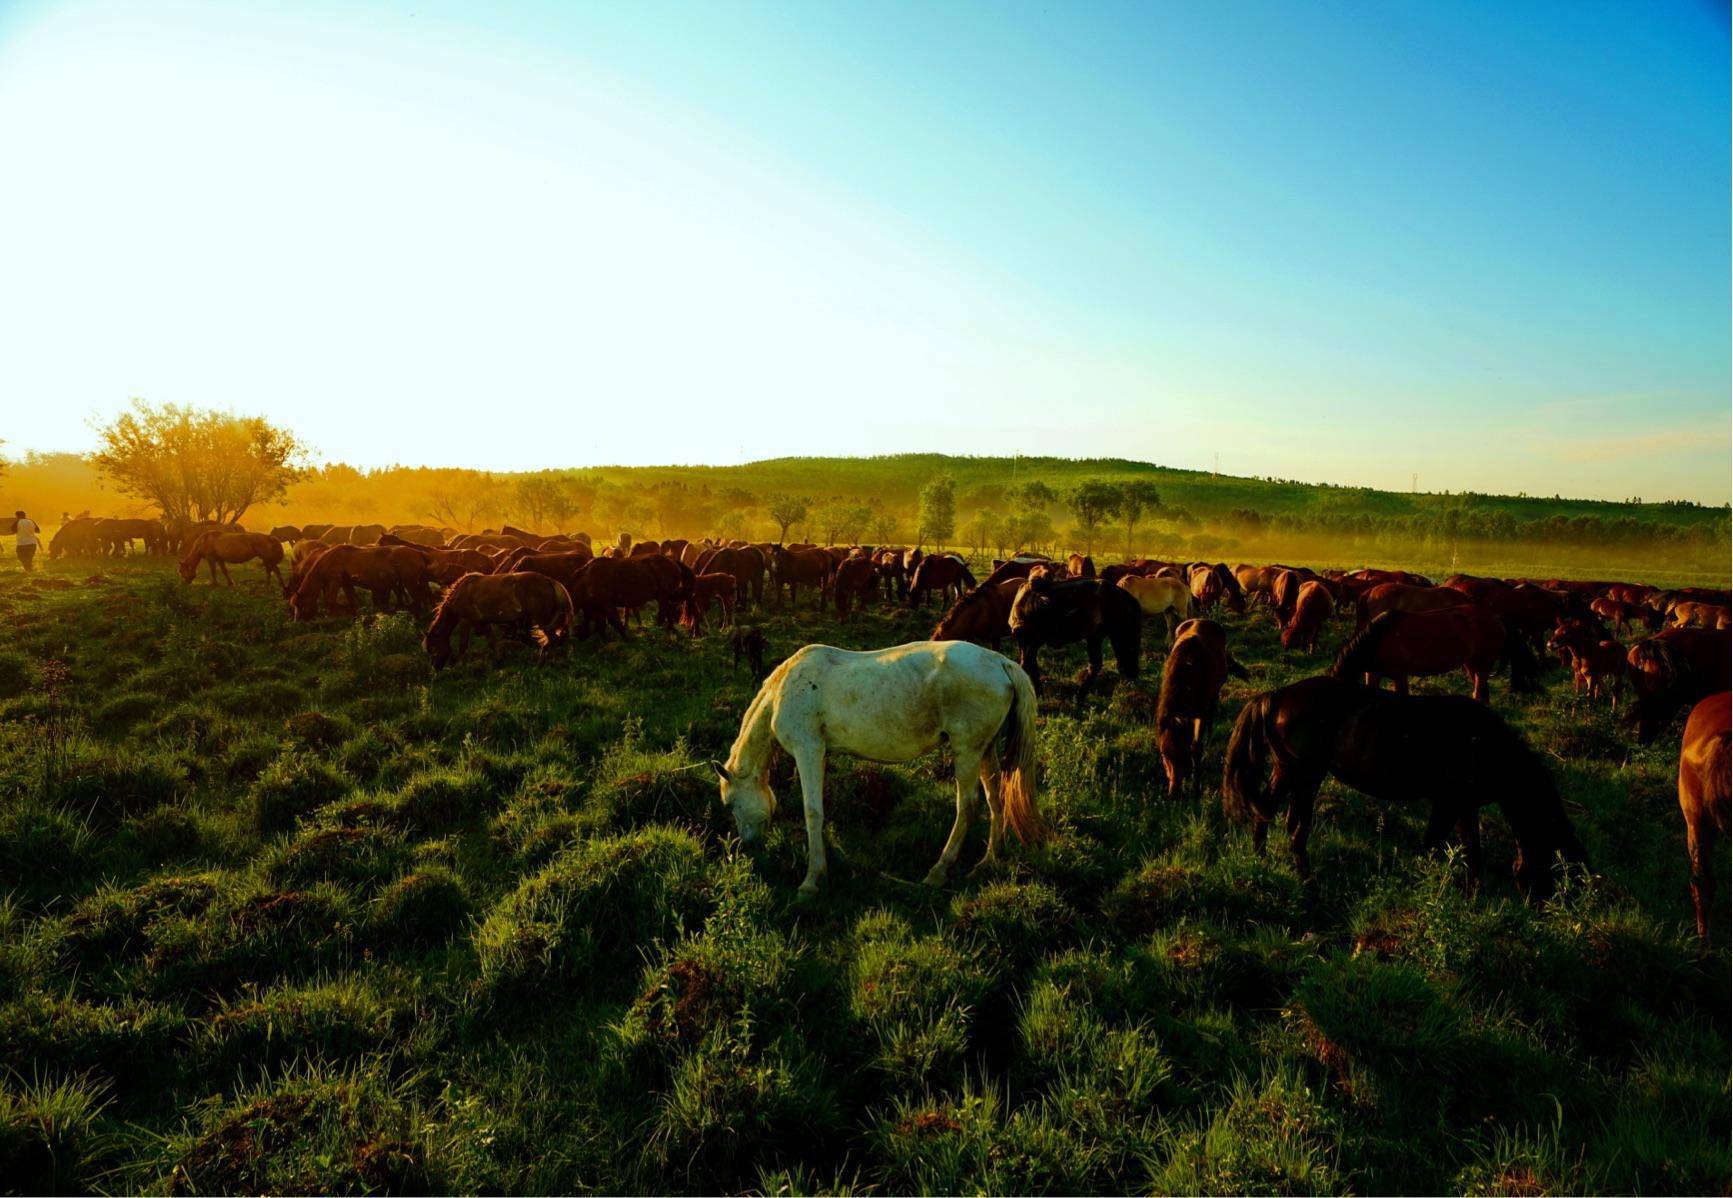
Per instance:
(293,787)
(591,909)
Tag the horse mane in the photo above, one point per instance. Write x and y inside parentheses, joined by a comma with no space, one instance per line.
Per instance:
(1660,656)
(974,595)
(440,616)
(1360,648)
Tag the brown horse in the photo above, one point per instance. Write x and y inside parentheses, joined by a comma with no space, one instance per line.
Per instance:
(1590,658)
(607,585)
(225,549)
(1448,749)
(746,564)
(941,572)
(531,605)
(794,568)
(1049,612)
(1673,668)
(1399,645)
(1623,615)
(1079,566)
(1206,587)
(1704,762)
(1015,568)
(1401,596)
(1312,608)
(306,553)
(386,571)
(853,584)
(716,588)
(444,566)
(1197,668)
(983,615)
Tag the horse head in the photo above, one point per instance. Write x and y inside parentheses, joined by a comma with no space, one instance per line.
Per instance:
(748,798)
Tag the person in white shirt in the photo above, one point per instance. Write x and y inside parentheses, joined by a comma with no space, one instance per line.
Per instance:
(28,539)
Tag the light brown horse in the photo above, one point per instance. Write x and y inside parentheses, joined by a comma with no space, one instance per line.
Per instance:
(1689,613)
(1206,586)
(1197,668)
(1704,762)
(386,571)
(531,605)
(224,549)
(1400,645)
(1623,615)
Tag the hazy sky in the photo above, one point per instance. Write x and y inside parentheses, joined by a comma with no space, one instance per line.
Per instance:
(1484,243)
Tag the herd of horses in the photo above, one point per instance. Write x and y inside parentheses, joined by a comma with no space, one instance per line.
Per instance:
(1454,751)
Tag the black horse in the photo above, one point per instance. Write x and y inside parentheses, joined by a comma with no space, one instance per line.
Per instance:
(1049,612)
(1449,749)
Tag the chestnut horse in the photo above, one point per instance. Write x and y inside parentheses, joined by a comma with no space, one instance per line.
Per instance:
(444,566)
(526,603)
(1399,645)
(1312,608)
(1590,657)
(1049,612)
(1622,614)
(941,572)
(1673,668)
(607,584)
(1450,750)
(1401,596)
(1206,586)
(1704,762)
(983,615)
(853,584)
(385,570)
(1197,668)
(222,549)
(715,588)
(793,568)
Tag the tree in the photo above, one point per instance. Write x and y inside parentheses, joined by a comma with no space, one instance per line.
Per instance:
(466,498)
(884,526)
(938,512)
(1090,503)
(1136,497)
(786,510)
(204,464)
(979,531)
(1034,496)
(540,497)
(843,522)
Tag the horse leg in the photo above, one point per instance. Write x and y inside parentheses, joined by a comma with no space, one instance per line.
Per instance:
(467,631)
(968,769)
(1399,683)
(1031,666)
(1199,729)
(1482,689)
(1697,849)
(1094,665)
(1301,795)
(227,580)
(1468,828)
(809,763)
(995,816)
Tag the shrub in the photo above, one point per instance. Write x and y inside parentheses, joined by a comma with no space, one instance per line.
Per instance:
(592,908)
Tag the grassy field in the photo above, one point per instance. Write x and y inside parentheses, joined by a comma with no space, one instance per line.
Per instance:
(287,913)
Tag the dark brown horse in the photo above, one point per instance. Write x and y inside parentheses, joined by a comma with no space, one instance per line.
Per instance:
(1456,753)
(1049,612)
(607,585)
(1381,597)
(387,571)
(746,564)
(941,572)
(1206,586)
(1673,669)
(795,568)
(1197,668)
(717,588)
(1400,645)
(853,584)
(1704,761)
(444,566)
(983,615)
(530,605)
(1312,608)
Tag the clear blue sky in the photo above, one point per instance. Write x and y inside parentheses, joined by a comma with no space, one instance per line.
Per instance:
(1484,243)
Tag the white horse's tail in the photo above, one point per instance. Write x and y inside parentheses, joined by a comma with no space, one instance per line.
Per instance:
(1017,762)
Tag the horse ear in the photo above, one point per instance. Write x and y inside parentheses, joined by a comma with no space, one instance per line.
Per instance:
(721,770)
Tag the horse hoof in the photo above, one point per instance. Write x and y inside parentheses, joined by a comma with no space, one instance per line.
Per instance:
(935,878)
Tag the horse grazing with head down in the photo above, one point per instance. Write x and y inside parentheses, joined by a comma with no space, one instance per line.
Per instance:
(1170,598)
(1400,645)
(718,588)
(534,607)
(1197,668)
(795,567)
(1704,762)
(855,581)
(1672,669)
(941,572)
(983,615)
(890,705)
(1447,749)
(387,571)
(1312,608)
(218,548)
(1590,658)
(1046,612)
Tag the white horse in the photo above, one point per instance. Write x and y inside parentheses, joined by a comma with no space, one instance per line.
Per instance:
(890,705)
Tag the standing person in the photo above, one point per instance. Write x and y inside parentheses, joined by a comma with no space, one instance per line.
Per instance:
(26,531)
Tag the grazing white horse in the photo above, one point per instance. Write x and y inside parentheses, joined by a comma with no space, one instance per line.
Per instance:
(890,705)
(1161,596)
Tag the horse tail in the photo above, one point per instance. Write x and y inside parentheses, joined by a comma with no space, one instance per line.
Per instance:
(1246,764)
(1360,651)
(559,629)
(1017,761)
(968,578)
